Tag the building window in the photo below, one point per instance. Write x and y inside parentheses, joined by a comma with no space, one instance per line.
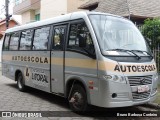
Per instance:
(37,17)
(18,1)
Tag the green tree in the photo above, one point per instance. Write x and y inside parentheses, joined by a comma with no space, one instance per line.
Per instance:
(151,31)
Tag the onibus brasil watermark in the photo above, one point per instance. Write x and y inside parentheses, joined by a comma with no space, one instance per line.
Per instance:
(21,114)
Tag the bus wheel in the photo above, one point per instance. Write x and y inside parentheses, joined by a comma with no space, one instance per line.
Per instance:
(20,82)
(78,99)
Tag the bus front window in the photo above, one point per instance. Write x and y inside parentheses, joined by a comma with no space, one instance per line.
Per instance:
(117,33)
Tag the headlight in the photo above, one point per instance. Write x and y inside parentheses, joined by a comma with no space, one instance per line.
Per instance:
(116,78)
(155,77)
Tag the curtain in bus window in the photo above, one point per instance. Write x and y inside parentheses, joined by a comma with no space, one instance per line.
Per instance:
(14,41)
(26,40)
(41,38)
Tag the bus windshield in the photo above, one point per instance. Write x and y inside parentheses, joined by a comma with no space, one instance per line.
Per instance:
(117,33)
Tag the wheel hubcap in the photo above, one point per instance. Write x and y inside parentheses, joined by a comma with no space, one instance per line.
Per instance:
(77,100)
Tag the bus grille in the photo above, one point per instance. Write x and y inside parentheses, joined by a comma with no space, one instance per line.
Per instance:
(140,80)
(137,96)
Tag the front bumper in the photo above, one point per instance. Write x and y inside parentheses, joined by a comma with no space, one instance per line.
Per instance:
(124,95)
(128,103)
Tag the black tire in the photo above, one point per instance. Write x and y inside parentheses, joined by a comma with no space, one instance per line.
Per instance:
(80,99)
(20,83)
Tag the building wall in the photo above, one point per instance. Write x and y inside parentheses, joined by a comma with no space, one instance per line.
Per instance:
(1,42)
(28,16)
(52,8)
(72,5)
(48,9)
(3,26)
(2,30)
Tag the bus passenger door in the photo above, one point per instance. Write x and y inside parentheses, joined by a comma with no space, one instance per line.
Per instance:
(57,59)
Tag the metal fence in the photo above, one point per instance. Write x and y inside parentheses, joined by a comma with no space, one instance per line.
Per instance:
(152,35)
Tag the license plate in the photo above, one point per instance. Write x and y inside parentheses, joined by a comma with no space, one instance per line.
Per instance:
(143,88)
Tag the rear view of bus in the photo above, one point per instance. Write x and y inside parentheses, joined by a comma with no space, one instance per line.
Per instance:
(126,68)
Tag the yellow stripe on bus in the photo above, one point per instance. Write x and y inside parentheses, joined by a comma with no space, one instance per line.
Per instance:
(6,57)
(74,62)
(105,65)
(57,61)
(82,63)
(86,63)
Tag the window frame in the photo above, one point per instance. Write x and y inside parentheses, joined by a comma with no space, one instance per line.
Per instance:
(50,32)
(33,28)
(10,40)
(37,16)
(20,39)
(66,25)
(4,40)
(67,41)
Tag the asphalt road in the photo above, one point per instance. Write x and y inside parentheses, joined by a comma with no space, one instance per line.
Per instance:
(11,99)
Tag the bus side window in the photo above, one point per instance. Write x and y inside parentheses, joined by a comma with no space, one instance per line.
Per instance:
(80,38)
(14,41)
(59,35)
(6,42)
(26,40)
(41,38)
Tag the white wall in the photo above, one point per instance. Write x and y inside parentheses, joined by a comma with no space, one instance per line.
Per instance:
(52,8)
(28,16)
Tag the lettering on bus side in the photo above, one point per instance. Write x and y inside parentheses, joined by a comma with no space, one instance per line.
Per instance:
(32,59)
(39,78)
(134,68)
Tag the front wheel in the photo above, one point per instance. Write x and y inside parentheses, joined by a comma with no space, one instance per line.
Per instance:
(20,82)
(78,99)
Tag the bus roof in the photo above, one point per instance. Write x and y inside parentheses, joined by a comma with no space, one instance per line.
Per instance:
(58,19)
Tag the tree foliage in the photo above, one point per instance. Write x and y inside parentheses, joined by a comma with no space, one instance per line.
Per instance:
(151,31)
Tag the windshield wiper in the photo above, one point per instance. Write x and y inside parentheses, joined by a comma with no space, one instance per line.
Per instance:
(124,50)
(143,52)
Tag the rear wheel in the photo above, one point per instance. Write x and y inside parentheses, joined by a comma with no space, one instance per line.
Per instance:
(20,82)
(78,99)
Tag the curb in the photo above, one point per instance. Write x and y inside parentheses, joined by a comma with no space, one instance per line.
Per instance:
(153,105)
